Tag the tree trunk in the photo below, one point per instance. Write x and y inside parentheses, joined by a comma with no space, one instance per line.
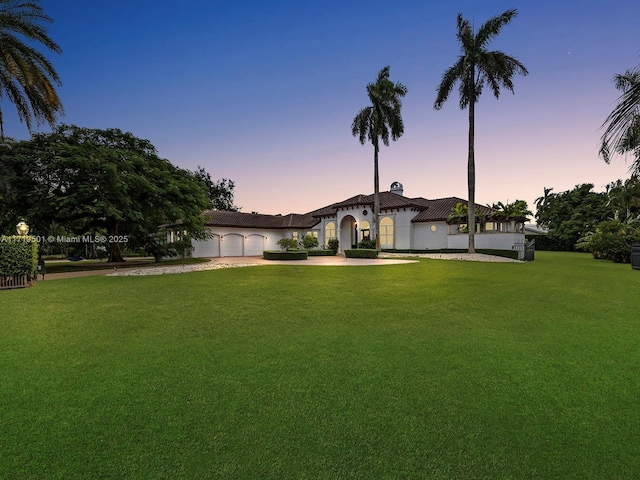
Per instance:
(376,195)
(115,255)
(471,173)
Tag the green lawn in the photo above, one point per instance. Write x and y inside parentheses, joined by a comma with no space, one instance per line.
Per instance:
(440,369)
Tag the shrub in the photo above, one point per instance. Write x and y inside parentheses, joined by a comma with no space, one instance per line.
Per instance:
(309,242)
(370,244)
(612,240)
(361,253)
(286,255)
(321,253)
(288,244)
(18,256)
(334,245)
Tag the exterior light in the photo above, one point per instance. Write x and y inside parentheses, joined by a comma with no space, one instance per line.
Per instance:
(22,228)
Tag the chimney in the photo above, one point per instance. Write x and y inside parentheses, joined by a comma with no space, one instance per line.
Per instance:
(396,187)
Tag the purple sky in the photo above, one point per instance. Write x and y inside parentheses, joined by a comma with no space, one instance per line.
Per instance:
(264,93)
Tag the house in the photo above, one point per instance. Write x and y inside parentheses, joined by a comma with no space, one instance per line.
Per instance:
(405,224)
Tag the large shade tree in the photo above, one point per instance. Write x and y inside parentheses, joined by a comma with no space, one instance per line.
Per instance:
(476,67)
(382,120)
(92,181)
(220,192)
(27,77)
(622,126)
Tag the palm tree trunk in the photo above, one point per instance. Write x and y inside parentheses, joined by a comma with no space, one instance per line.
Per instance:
(471,172)
(376,195)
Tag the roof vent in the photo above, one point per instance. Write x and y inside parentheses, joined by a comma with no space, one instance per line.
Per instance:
(396,187)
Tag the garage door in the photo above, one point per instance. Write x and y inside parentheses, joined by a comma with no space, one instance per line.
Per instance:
(231,245)
(207,248)
(254,245)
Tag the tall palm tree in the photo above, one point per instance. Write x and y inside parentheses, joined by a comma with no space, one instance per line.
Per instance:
(477,66)
(380,121)
(27,78)
(622,133)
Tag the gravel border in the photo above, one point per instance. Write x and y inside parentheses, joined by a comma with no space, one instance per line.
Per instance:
(198,267)
(469,257)
(192,267)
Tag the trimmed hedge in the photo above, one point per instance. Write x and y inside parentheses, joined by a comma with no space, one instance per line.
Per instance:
(285,255)
(321,253)
(361,253)
(18,255)
(487,251)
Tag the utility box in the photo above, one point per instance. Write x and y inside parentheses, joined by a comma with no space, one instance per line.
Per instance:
(42,268)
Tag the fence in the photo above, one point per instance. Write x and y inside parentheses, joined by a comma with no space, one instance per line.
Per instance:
(526,250)
(14,281)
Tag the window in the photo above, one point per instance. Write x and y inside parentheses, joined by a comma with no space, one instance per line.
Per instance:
(295,235)
(365,231)
(329,231)
(312,233)
(386,232)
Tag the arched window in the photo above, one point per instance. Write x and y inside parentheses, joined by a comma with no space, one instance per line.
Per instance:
(329,231)
(365,231)
(386,232)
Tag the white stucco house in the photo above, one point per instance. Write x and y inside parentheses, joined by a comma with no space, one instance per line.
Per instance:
(405,224)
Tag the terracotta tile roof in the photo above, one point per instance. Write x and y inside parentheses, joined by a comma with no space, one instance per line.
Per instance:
(388,201)
(428,211)
(221,218)
(439,209)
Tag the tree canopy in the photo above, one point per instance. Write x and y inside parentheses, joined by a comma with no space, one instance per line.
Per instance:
(94,181)
(220,193)
(569,215)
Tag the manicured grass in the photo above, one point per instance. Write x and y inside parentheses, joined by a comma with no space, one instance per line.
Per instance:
(440,369)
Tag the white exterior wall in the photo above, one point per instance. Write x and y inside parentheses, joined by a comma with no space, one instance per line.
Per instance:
(206,248)
(424,238)
(402,227)
(496,241)
(250,235)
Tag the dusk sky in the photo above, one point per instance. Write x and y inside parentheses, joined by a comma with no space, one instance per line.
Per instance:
(264,93)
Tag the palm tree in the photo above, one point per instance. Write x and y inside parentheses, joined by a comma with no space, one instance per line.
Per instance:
(477,66)
(27,78)
(380,120)
(622,133)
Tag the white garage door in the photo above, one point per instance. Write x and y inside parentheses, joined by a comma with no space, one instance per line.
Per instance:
(254,245)
(231,245)
(207,248)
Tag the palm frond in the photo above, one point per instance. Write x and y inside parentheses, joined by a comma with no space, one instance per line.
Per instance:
(491,28)
(622,126)
(27,78)
(449,79)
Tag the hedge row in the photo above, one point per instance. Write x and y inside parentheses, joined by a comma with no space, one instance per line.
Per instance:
(321,253)
(361,253)
(18,255)
(285,255)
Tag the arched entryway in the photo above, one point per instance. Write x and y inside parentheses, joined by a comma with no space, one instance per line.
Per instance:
(348,236)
